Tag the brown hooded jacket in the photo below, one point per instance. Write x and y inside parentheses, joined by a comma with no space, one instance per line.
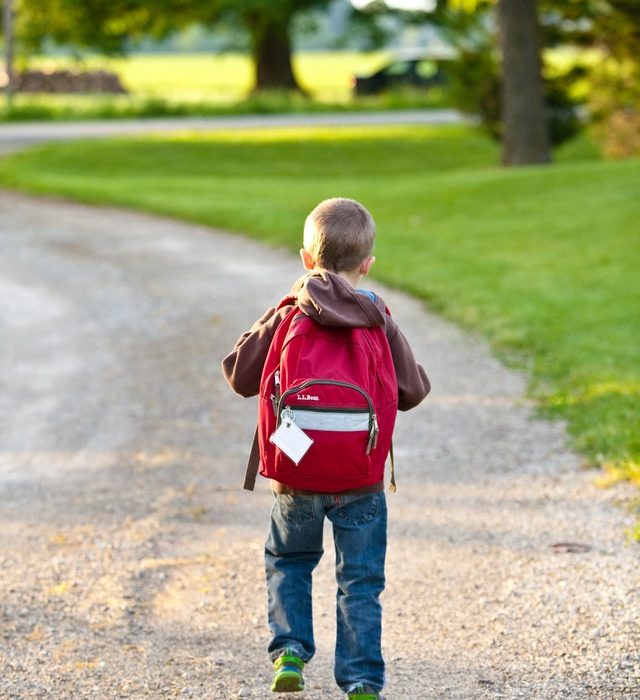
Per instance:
(330,300)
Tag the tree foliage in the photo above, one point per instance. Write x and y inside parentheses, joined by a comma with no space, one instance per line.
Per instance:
(610,28)
(108,26)
(114,26)
(476,77)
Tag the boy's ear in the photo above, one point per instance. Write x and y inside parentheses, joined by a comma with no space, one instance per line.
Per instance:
(307,261)
(366,265)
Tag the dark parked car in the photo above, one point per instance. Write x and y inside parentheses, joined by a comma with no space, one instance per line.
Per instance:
(413,72)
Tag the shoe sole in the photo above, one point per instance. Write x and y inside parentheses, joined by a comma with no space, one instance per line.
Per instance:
(287,683)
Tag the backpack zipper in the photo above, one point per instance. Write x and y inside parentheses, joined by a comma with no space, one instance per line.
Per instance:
(373,421)
(328,409)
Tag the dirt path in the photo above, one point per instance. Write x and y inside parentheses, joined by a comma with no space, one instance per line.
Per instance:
(131,561)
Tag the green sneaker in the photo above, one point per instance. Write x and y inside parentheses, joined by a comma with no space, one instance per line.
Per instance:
(287,677)
(364,692)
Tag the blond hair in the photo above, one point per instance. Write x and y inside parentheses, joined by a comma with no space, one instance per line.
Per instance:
(339,234)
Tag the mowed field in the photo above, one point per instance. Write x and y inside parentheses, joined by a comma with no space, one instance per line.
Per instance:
(229,76)
(210,84)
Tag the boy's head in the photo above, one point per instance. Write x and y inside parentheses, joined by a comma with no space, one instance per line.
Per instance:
(338,236)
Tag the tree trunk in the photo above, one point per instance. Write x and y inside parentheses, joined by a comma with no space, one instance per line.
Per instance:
(271,49)
(524,138)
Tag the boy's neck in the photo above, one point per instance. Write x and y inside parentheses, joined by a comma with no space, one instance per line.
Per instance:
(353,278)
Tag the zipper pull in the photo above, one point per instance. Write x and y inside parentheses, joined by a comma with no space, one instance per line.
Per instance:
(376,431)
(275,397)
(373,434)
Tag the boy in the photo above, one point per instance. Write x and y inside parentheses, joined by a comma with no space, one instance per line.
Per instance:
(338,242)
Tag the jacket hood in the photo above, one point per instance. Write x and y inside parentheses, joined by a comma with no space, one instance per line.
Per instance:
(330,300)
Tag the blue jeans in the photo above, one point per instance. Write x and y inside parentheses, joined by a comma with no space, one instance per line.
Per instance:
(292,551)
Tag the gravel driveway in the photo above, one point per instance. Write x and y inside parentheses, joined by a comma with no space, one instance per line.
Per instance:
(15,136)
(131,560)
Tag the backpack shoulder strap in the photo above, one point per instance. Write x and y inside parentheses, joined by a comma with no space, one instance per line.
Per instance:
(253,463)
(289,300)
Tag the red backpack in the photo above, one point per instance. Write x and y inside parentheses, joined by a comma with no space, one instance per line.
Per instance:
(339,387)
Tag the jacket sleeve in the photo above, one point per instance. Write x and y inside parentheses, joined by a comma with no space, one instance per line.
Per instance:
(242,367)
(413,383)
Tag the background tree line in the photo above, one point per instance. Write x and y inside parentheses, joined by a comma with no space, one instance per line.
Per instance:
(500,72)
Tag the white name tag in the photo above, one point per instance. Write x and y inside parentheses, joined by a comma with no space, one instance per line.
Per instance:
(291,440)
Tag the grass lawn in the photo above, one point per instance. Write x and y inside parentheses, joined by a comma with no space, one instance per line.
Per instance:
(543,260)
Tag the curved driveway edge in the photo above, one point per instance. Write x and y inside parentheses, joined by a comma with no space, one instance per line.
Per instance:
(14,136)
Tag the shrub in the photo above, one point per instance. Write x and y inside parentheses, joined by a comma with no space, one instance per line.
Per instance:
(476,90)
(615,104)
